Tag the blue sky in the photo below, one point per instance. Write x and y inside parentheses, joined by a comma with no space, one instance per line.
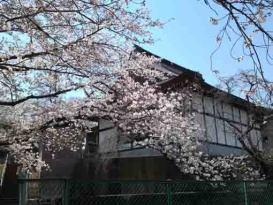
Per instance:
(190,38)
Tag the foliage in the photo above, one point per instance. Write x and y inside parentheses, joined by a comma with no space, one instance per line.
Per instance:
(52,48)
(49,49)
(247,24)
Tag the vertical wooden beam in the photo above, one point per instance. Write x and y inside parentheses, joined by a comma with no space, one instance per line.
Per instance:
(215,122)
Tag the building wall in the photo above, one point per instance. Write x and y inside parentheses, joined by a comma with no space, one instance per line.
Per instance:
(215,117)
(214,112)
(115,158)
(108,137)
(64,164)
(133,168)
(267,135)
(9,188)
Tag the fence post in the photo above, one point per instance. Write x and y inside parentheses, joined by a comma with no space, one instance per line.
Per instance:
(65,198)
(22,192)
(245,193)
(169,194)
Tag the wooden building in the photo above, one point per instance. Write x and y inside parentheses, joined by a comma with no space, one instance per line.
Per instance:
(109,156)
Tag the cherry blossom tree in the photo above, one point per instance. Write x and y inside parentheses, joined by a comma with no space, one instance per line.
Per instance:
(246,23)
(181,144)
(257,93)
(49,49)
(130,97)
(52,49)
(138,105)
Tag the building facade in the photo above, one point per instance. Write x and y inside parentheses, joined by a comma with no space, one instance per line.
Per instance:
(217,112)
(109,156)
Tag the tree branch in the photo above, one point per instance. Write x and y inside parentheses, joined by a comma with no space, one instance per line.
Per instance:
(13,103)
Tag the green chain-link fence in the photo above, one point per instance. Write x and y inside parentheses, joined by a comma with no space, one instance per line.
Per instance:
(71,192)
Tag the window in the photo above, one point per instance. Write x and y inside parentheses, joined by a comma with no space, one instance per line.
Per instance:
(210,128)
(254,137)
(218,106)
(208,104)
(244,117)
(236,114)
(225,123)
(197,103)
(200,120)
(228,111)
(92,141)
(230,134)
(221,131)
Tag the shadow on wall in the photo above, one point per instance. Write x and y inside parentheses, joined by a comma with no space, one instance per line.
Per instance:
(144,168)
